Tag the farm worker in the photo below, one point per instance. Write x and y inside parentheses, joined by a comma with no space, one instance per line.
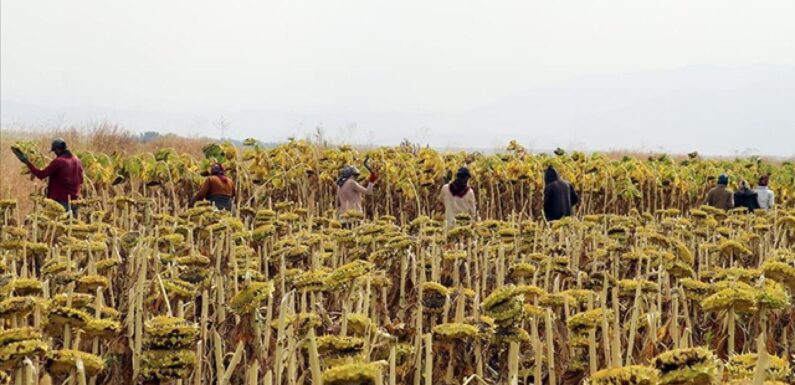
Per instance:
(719,196)
(559,196)
(217,188)
(745,197)
(349,191)
(458,197)
(764,194)
(64,174)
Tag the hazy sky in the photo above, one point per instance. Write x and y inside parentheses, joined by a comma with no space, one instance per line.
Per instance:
(353,59)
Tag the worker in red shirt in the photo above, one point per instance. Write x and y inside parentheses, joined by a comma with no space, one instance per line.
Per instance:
(64,173)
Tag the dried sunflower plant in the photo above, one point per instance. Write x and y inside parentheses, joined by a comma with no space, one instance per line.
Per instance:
(641,287)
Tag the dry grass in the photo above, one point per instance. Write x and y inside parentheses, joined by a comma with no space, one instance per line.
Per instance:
(103,137)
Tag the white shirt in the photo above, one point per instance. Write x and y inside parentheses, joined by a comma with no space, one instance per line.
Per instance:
(454,205)
(765,197)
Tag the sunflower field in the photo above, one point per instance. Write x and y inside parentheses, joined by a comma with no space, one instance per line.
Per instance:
(644,286)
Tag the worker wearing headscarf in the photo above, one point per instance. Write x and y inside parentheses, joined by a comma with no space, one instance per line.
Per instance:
(559,197)
(350,192)
(458,197)
(217,188)
(745,197)
(764,194)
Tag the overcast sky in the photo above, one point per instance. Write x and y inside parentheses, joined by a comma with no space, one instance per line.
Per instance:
(432,64)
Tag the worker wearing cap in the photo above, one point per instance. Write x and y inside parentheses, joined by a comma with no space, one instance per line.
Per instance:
(64,174)
(720,196)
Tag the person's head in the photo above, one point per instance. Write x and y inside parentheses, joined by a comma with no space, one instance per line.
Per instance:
(723,180)
(550,175)
(743,184)
(217,169)
(764,180)
(58,146)
(458,187)
(346,173)
(462,174)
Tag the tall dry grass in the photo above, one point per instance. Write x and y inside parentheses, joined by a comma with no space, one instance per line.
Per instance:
(104,137)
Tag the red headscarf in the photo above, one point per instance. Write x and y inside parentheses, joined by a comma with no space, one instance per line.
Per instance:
(217,169)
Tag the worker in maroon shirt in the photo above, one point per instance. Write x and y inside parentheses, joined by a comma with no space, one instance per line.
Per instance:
(64,173)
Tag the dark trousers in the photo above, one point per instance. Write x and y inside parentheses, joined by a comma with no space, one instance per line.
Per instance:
(221,202)
(68,207)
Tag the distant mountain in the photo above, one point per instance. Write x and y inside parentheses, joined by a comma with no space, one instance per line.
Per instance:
(716,110)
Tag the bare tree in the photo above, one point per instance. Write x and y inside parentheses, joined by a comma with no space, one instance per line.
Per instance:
(222,125)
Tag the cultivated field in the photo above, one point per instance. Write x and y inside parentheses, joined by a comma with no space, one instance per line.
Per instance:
(643,286)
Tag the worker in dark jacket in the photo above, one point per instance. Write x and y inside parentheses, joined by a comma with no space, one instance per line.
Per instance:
(745,197)
(559,196)
(64,173)
(720,196)
(217,188)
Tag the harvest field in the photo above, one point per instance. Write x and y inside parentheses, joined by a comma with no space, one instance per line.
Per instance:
(643,286)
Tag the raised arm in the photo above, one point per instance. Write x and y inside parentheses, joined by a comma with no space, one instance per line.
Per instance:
(51,168)
(363,190)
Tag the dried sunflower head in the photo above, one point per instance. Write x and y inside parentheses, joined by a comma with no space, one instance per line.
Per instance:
(251,297)
(687,366)
(352,374)
(346,274)
(434,296)
(695,289)
(102,328)
(301,322)
(90,283)
(455,331)
(740,296)
(167,364)
(65,360)
(508,334)
(166,332)
(587,320)
(628,375)
(743,366)
(331,345)
(13,352)
(781,272)
(59,316)
(311,281)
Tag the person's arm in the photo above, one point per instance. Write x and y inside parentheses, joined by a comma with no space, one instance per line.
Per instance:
(547,201)
(472,203)
(573,196)
(707,199)
(771,200)
(364,190)
(79,173)
(731,201)
(51,168)
(203,190)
